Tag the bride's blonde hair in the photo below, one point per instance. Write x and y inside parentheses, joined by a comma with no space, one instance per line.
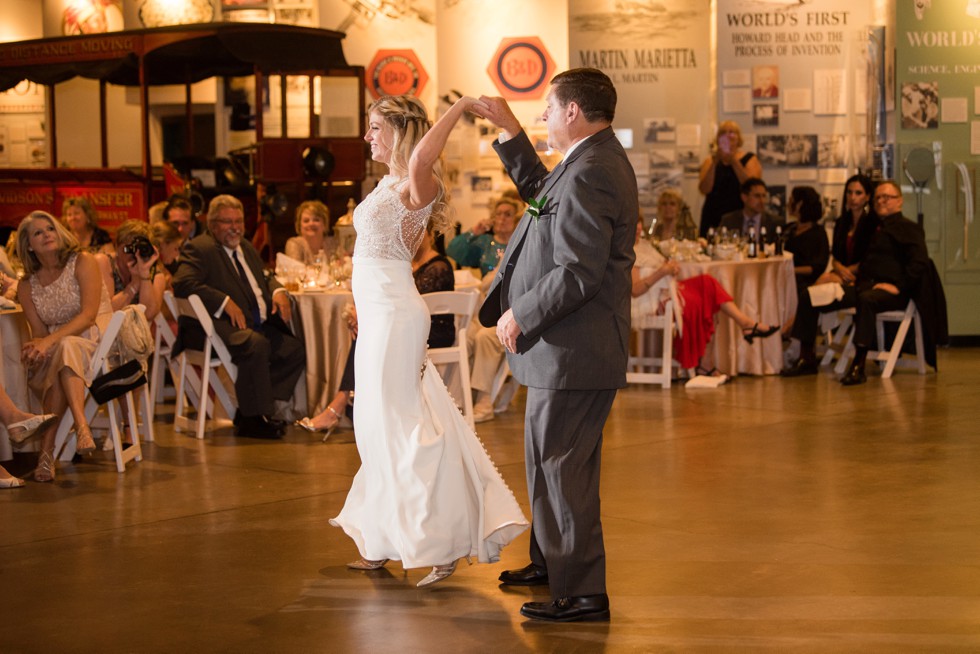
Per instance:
(409,122)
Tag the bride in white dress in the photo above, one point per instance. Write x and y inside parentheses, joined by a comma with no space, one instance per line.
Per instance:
(427,493)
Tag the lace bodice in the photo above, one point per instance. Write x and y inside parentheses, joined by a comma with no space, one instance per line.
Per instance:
(61,300)
(385,228)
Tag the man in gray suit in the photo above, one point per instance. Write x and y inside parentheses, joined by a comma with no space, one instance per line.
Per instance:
(251,316)
(561,306)
(753,216)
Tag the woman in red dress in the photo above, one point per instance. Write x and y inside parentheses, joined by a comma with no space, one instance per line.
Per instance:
(700,299)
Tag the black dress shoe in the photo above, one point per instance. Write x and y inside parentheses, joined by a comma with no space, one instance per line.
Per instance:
(530,575)
(569,609)
(800,368)
(257,427)
(854,376)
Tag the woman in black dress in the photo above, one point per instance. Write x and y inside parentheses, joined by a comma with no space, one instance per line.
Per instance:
(808,242)
(852,231)
(722,175)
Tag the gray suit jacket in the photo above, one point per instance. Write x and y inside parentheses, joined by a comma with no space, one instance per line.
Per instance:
(566,273)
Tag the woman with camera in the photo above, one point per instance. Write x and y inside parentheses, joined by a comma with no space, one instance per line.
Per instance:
(131,272)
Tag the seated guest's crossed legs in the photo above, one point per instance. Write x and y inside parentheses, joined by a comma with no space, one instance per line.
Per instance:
(868,303)
(488,354)
(269,361)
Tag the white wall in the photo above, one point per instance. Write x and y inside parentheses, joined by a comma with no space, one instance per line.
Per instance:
(469,35)
(20,20)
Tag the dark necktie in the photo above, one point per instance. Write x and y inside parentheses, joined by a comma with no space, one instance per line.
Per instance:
(253,305)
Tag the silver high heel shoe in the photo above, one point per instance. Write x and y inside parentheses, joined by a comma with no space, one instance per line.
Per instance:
(367,564)
(307,424)
(439,572)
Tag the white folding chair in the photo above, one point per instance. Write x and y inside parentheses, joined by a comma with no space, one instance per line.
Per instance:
(125,405)
(163,342)
(893,356)
(504,387)
(840,343)
(460,304)
(644,368)
(210,360)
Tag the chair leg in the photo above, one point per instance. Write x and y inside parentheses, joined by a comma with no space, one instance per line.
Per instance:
(896,350)
(202,414)
(920,352)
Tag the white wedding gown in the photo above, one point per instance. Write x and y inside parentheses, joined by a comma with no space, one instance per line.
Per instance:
(427,493)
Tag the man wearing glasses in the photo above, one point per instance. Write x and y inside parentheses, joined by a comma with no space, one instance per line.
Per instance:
(889,275)
(251,314)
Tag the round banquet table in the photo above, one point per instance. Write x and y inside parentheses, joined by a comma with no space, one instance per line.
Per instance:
(14,331)
(762,288)
(327,342)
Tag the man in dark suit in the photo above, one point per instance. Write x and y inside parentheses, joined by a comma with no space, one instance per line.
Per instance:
(561,306)
(753,214)
(889,275)
(251,316)
(179,212)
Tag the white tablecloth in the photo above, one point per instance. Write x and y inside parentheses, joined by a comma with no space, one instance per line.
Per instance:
(764,289)
(14,331)
(327,343)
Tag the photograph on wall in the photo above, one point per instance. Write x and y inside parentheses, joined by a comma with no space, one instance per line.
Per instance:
(771,149)
(766,114)
(801,150)
(663,158)
(765,81)
(481,190)
(832,150)
(920,105)
(296,16)
(689,160)
(777,201)
(38,152)
(660,130)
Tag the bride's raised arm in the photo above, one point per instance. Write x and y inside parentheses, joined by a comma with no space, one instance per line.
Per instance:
(422,187)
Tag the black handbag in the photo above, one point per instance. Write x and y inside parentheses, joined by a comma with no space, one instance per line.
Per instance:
(118,381)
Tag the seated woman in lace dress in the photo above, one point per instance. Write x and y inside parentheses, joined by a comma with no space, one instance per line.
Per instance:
(66,304)
(701,298)
(433,273)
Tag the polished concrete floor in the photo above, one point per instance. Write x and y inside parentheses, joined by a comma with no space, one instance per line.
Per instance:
(765,515)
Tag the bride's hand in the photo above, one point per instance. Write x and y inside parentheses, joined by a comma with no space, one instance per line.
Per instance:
(472,105)
(498,112)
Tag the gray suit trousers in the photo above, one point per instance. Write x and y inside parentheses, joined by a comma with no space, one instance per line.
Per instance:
(563,450)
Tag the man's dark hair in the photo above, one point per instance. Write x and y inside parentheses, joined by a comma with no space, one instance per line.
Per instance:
(176,201)
(589,88)
(750,184)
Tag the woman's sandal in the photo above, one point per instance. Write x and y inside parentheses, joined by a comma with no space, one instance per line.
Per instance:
(367,564)
(755,332)
(21,431)
(44,472)
(84,443)
(307,424)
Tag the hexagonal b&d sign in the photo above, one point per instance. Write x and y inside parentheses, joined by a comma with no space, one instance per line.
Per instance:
(395,72)
(521,68)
